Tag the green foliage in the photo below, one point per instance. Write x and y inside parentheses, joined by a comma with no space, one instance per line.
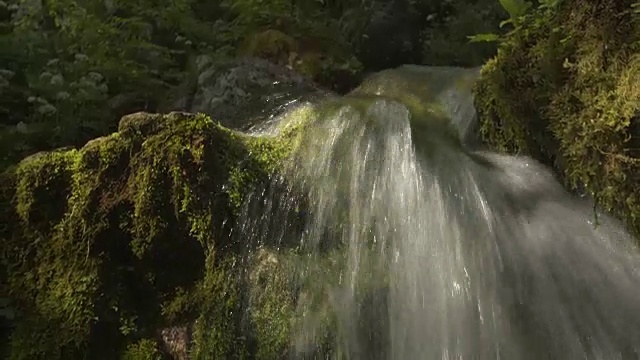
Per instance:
(515,8)
(489,37)
(76,66)
(446,40)
(145,349)
(564,89)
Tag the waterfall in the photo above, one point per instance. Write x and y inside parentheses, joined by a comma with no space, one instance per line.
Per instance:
(413,242)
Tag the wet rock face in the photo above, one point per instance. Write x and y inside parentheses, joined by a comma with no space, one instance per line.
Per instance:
(243,91)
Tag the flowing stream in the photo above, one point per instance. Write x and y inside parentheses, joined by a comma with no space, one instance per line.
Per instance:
(419,244)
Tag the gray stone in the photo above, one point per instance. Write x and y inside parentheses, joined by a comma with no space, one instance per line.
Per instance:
(244,91)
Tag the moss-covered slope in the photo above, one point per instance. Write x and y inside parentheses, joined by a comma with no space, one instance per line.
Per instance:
(107,244)
(565,88)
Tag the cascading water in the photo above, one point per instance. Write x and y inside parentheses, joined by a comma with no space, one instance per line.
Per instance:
(417,245)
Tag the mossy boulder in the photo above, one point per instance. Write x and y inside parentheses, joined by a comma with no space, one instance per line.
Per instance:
(565,89)
(107,245)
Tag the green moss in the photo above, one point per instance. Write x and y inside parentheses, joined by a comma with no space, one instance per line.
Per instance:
(246,309)
(272,307)
(266,154)
(564,88)
(112,238)
(216,333)
(58,283)
(43,180)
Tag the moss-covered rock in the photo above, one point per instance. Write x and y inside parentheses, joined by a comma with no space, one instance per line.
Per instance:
(565,88)
(272,306)
(107,244)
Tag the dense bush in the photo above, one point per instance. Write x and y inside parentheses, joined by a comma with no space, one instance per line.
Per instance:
(71,68)
(446,34)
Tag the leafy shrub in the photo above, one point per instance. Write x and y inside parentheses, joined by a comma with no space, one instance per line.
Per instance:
(446,39)
(74,67)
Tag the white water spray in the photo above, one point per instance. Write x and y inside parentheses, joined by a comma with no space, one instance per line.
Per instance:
(420,247)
